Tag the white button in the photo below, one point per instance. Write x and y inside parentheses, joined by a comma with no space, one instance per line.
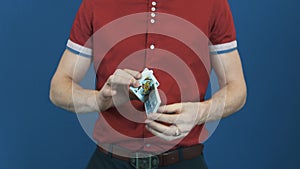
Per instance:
(152,46)
(148,145)
(153,3)
(153,9)
(152,20)
(153,15)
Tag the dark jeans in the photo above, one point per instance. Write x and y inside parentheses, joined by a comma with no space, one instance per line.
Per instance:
(101,160)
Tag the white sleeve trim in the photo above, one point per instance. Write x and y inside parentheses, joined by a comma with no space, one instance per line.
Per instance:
(78,49)
(230,46)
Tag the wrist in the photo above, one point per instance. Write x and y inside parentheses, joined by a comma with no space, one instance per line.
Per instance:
(204,109)
(103,102)
(94,101)
(211,110)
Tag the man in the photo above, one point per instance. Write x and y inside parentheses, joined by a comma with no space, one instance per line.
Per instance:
(123,37)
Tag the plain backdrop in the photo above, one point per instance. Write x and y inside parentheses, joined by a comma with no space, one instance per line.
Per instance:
(35,134)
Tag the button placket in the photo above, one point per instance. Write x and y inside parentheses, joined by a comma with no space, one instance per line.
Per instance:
(152,21)
(153,9)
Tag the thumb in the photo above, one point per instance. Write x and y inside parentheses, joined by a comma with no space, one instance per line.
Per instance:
(172,108)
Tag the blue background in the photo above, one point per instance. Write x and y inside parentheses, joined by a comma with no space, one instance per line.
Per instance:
(35,134)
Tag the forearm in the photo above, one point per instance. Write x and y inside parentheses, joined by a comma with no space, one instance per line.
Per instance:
(68,95)
(228,100)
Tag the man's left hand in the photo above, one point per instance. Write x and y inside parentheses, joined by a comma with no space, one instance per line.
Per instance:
(180,119)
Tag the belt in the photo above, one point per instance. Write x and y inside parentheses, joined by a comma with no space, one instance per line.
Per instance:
(150,160)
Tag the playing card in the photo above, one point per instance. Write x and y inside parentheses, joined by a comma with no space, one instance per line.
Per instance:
(146,82)
(153,101)
(154,80)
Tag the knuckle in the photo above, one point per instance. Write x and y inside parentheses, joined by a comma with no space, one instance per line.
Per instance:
(127,70)
(169,139)
(132,80)
(118,71)
(111,77)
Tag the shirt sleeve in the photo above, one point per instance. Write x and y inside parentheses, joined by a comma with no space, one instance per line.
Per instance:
(222,30)
(80,37)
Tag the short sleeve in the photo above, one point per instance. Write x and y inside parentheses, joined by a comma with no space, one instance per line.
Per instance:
(222,30)
(82,30)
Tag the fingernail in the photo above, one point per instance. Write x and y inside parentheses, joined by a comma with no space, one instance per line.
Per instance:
(148,121)
(137,83)
(139,75)
(160,109)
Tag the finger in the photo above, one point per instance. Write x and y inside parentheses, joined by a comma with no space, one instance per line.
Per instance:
(120,79)
(132,76)
(162,136)
(167,118)
(166,130)
(172,108)
(134,73)
(123,78)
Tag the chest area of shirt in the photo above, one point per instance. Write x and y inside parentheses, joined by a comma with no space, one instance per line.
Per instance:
(153,16)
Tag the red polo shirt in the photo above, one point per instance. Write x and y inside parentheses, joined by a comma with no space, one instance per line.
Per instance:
(174,38)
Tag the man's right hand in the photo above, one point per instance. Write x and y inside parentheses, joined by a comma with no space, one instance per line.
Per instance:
(115,91)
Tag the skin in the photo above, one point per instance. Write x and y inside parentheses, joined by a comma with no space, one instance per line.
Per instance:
(184,116)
